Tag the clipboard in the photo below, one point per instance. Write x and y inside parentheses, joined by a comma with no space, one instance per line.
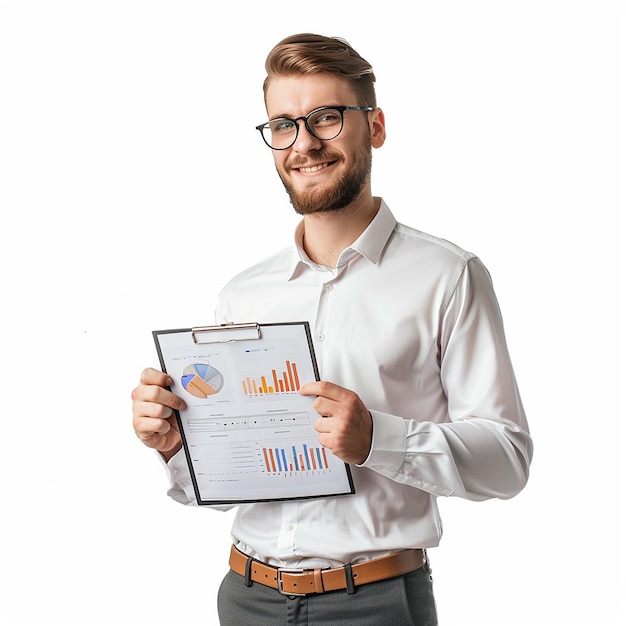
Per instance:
(247,433)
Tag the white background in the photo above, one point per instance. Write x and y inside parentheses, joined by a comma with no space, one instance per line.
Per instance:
(133,184)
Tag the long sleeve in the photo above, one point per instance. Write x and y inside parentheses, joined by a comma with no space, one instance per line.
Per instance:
(483,449)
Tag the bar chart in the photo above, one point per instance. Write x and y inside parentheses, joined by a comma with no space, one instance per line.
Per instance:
(224,461)
(287,381)
(302,458)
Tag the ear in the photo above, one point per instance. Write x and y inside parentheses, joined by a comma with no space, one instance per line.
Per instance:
(377,128)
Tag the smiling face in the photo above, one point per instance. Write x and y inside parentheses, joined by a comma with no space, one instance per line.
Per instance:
(324,175)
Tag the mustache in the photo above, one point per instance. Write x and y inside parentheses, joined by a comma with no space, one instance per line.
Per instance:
(313,156)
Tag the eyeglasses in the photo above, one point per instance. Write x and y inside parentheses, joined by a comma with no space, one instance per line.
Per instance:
(324,124)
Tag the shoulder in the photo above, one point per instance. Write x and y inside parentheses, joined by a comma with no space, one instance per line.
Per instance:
(253,290)
(420,243)
(433,258)
(278,262)
(437,265)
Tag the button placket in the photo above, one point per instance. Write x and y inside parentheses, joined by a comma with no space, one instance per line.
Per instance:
(323,311)
(288,527)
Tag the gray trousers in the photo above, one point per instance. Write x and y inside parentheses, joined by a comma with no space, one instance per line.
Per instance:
(401,601)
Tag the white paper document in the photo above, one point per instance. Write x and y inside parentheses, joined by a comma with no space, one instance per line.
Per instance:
(247,433)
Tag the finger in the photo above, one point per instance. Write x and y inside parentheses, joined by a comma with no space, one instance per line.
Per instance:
(159,434)
(154,394)
(322,388)
(145,427)
(167,398)
(324,406)
(322,425)
(150,376)
(153,409)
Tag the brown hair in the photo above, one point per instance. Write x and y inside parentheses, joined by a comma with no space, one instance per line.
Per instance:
(314,54)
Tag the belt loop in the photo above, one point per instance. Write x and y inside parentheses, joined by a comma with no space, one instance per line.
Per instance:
(248,574)
(318,581)
(347,569)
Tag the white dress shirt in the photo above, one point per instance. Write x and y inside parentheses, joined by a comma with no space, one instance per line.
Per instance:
(411,324)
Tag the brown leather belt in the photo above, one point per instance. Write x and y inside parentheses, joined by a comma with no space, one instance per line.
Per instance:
(303,582)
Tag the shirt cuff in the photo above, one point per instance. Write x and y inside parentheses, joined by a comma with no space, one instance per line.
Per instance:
(181,486)
(388,443)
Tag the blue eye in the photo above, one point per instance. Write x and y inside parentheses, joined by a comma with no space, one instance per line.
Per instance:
(325,119)
(283,125)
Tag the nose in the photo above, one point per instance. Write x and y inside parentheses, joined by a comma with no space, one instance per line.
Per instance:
(305,141)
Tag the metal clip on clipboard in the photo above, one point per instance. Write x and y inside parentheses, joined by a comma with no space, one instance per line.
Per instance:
(225,333)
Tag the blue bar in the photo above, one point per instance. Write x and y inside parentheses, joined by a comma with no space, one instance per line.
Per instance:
(277,455)
(284,459)
(319,457)
(295,458)
(306,457)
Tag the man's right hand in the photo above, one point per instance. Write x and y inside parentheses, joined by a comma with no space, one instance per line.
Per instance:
(153,413)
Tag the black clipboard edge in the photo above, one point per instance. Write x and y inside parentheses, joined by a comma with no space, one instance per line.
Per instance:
(179,420)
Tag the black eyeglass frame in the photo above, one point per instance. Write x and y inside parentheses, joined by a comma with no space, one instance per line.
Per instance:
(305,119)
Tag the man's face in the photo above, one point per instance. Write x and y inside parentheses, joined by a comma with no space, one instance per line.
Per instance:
(321,175)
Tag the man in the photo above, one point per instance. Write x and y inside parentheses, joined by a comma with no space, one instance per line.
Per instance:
(417,390)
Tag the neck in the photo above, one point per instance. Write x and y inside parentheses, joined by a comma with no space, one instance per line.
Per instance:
(327,234)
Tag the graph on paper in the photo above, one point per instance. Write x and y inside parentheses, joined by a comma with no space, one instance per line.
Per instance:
(300,458)
(261,460)
(201,380)
(274,381)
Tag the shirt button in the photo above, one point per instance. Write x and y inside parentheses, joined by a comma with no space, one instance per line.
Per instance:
(328,287)
(321,337)
(289,527)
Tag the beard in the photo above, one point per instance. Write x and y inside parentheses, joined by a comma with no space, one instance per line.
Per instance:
(342,194)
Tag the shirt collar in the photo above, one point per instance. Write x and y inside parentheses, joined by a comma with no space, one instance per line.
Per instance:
(370,244)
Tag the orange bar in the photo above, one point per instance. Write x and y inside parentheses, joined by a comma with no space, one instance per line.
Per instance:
(255,388)
(295,375)
(275,379)
(325,459)
(286,381)
(264,384)
(282,386)
(267,463)
(312,458)
(291,385)
(249,385)
(245,387)
(272,459)
(302,463)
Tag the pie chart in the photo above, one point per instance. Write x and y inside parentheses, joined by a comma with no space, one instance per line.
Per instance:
(201,380)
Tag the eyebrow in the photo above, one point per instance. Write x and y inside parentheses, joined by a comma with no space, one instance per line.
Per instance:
(293,117)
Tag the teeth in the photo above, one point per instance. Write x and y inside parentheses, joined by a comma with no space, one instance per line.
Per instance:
(314,168)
